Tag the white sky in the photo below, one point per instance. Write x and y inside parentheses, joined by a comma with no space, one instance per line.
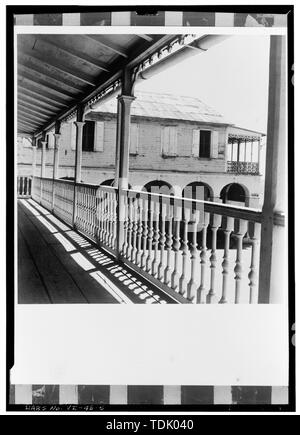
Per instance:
(232,77)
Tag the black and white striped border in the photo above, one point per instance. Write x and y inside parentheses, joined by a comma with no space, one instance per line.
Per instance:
(146,395)
(129,18)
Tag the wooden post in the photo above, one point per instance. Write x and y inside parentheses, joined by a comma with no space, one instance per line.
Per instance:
(43,161)
(33,156)
(78,155)
(57,137)
(122,152)
(273,282)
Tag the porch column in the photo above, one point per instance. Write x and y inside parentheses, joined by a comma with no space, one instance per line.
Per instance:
(57,137)
(122,152)
(117,157)
(273,284)
(78,156)
(33,156)
(43,161)
(78,163)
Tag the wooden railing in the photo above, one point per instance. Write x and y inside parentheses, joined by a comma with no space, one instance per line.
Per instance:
(24,186)
(243,167)
(196,251)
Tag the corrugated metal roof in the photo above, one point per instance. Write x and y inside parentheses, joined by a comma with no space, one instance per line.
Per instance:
(168,106)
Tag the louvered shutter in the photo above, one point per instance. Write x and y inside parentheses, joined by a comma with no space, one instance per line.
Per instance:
(134,138)
(50,140)
(72,135)
(165,133)
(196,143)
(173,141)
(99,136)
(215,145)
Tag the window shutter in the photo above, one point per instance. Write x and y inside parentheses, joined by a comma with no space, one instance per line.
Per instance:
(50,140)
(134,138)
(165,140)
(173,141)
(215,145)
(99,136)
(72,135)
(196,143)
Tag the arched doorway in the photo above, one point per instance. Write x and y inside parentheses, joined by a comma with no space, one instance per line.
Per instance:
(159,187)
(234,194)
(198,190)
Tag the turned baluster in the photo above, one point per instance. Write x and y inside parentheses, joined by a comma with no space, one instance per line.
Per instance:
(183,281)
(168,270)
(134,229)
(203,250)
(162,240)
(239,233)
(130,227)
(176,246)
(138,254)
(125,207)
(150,236)
(114,220)
(216,219)
(155,237)
(192,285)
(254,233)
(145,232)
(100,215)
(227,227)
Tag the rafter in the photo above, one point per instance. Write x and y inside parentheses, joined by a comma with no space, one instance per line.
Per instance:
(44,84)
(47,75)
(108,45)
(77,54)
(36,103)
(24,117)
(38,117)
(146,37)
(23,121)
(33,111)
(43,96)
(78,75)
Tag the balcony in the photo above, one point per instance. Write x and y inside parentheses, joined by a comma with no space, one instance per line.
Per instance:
(248,168)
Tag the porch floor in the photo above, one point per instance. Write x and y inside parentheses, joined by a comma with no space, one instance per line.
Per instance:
(58,265)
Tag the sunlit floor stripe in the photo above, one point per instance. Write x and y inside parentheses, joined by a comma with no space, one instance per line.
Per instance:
(62,226)
(78,239)
(82,261)
(39,207)
(111,288)
(33,210)
(66,244)
(50,227)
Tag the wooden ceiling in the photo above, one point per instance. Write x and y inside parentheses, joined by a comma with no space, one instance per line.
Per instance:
(55,72)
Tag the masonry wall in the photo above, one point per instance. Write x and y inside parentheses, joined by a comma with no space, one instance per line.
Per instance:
(149,164)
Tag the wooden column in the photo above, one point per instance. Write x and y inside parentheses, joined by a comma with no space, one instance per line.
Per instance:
(273,283)
(122,152)
(78,155)
(117,157)
(43,160)
(57,137)
(33,156)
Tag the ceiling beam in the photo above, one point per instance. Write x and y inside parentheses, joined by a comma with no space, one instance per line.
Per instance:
(23,110)
(33,111)
(77,54)
(44,96)
(72,72)
(37,103)
(24,117)
(47,75)
(23,121)
(145,37)
(108,45)
(44,84)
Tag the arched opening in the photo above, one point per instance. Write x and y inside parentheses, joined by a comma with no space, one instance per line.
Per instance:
(109,182)
(158,187)
(235,194)
(198,190)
